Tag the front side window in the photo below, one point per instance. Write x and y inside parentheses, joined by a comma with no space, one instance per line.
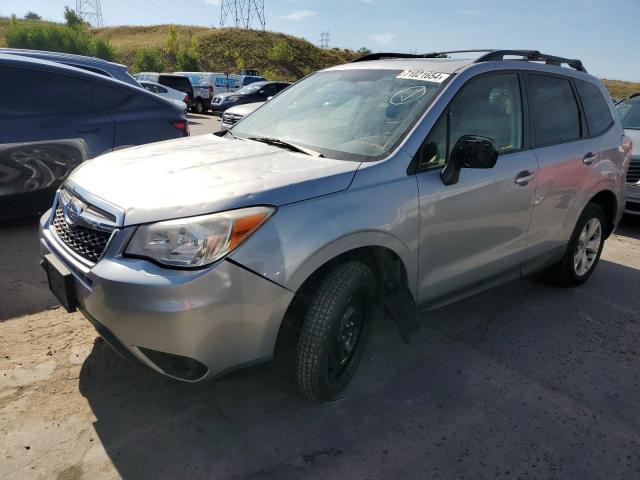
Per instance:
(629,113)
(354,114)
(489,106)
(595,107)
(556,117)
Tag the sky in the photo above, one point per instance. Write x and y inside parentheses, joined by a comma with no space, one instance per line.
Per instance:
(604,34)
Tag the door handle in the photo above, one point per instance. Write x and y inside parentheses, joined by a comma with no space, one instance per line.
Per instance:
(589,158)
(523,178)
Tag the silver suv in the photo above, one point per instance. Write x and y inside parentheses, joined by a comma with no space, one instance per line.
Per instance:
(397,182)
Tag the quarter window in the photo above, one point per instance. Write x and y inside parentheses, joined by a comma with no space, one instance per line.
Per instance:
(489,106)
(556,117)
(595,107)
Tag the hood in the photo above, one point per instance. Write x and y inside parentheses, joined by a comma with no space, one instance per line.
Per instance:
(205,174)
(226,94)
(634,135)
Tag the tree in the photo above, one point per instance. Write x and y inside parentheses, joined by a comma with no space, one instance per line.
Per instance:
(148,60)
(103,49)
(364,51)
(73,20)
(172,47)
(189,60)
(32,16)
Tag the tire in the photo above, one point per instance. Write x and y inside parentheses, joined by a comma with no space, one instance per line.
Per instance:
(200,107)
(571,272)
(334,331)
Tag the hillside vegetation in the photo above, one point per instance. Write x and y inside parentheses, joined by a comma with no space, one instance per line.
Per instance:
(275,55)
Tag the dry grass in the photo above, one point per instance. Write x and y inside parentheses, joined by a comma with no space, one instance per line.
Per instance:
(619,89)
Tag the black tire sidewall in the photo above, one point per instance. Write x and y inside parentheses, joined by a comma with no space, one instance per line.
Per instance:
(327,322)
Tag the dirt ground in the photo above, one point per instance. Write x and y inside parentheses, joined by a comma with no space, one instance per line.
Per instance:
(525,381)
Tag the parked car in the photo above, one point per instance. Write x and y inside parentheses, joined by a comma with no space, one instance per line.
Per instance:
(176,96)
(177,82)
(408,181)
(255,92)
(53,117)
(207,84)
(237,113)
(628,110)
(92,64)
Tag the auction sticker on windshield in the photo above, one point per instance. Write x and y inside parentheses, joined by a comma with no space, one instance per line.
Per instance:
(435,77)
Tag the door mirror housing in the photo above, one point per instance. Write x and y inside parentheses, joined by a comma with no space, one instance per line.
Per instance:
(470,151)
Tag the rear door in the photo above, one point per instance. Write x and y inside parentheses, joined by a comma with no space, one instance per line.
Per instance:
(49,124)
(568,157)
(475,230)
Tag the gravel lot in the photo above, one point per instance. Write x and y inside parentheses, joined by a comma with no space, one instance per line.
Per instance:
(525,381)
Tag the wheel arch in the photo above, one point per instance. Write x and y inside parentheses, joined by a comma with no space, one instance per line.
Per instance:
(608,201)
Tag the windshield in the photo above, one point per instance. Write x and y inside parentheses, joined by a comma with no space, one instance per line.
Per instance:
(629,113)
(346,114)
(249,89)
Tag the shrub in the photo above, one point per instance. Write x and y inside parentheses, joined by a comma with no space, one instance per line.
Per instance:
(32,16)
(282,52)
(148,60)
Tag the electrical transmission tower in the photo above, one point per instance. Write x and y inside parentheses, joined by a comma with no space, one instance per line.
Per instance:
(324,39)
(90,11)
(242,14)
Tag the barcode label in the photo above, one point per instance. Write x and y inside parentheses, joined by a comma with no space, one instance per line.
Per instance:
(435,77)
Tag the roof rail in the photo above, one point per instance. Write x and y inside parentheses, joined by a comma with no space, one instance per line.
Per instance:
(489,56)
(533,55)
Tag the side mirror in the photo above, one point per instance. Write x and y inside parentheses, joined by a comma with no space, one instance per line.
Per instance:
(261,93)
(470,151)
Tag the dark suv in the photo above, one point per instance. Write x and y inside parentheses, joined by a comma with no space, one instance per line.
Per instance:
(53,117)
(255,92)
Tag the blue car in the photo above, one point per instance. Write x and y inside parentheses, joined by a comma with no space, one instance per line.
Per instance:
(54,117)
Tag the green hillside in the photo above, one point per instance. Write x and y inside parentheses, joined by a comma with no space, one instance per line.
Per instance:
(230,49)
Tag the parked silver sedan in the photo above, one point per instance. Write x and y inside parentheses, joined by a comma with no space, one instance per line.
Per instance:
(388,183)
(171,94)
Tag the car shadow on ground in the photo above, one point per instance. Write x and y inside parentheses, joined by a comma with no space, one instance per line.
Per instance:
(23,283)
(629,227)
(525,380)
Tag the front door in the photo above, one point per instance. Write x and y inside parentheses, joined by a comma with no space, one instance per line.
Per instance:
(475,230)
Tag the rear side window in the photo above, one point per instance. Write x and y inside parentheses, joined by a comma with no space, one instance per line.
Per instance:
(105,97)
(556,117)
(26,92)
(179,83)
(595,107)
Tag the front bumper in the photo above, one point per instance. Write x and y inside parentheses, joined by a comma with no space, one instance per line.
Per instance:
(632,194)
(222,317)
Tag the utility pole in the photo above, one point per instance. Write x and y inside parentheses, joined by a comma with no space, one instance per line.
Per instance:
(242,14)
(90,11)
(324,39)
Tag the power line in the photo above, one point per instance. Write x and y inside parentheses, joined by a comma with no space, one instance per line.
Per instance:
(90,11)
(242,14)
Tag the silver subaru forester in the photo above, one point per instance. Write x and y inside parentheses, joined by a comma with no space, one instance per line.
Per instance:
(394,183)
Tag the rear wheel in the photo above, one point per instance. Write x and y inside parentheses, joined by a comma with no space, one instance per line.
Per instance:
(583,250)
(200,107)
(334,331)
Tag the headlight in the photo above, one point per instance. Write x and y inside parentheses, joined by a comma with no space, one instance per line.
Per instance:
(196,241)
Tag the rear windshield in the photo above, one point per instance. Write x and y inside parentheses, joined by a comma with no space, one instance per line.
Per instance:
(353,114)
(629,113)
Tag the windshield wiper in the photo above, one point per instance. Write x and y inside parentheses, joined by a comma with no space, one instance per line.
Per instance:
(276,142)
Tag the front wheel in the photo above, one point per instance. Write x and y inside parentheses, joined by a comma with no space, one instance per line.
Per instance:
(583,250)
(334,331)
(200,107)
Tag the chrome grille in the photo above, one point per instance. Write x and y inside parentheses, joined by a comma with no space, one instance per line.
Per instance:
(633,174)
(230,118)
(82,227)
